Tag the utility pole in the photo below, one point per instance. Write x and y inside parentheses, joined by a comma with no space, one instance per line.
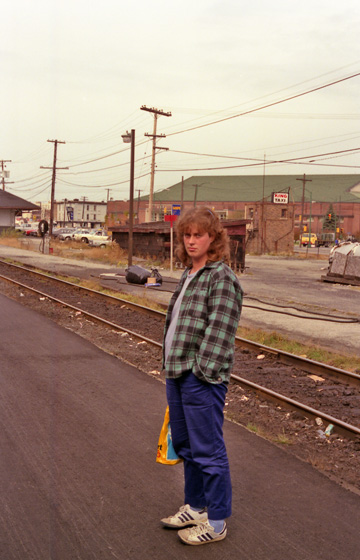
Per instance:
(196,191)
(262,244)
(156,113)
(3,172)
(83,210)
(195,194)
(304,181)
(138,205)
(54,168)
(182,194)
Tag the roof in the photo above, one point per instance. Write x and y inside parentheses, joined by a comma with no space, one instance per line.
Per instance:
(12,202)
(250,188)
(164,227)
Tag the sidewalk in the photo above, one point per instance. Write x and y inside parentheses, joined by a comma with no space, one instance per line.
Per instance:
(78,477)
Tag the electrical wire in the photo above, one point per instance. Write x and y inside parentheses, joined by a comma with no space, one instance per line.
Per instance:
(259,162)
(106,168)
(102,185)
(272,104)
(209,113)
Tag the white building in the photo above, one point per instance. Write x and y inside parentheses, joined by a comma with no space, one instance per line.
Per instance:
(80,213)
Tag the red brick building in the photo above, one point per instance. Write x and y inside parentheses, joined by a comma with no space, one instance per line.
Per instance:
(229,195)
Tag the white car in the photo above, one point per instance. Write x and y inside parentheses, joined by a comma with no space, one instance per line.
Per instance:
(100,239)
(82,235)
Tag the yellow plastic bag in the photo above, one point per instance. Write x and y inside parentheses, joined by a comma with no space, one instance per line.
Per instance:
(165,452)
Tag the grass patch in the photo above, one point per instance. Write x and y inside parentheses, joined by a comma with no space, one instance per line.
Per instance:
(112,254)
(282,438)
(276,340)
(11,234)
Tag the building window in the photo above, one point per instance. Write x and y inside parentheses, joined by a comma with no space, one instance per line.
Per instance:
(251,213)
(284,213)
(94,207)
(94,216)
(87,217)
(87,207)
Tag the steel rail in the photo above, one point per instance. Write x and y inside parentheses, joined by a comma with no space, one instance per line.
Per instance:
(86,313)
(305,364)
(342,427)
(130,304)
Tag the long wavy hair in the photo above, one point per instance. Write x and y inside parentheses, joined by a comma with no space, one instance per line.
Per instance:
(206,222)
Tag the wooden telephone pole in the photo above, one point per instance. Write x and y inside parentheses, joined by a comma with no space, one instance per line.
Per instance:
(3,172)
(304,181)
(156,113)
(54,168)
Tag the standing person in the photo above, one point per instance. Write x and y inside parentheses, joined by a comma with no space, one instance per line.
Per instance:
(200,328)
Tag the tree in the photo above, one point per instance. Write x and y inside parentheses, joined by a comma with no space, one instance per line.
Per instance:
(330,219)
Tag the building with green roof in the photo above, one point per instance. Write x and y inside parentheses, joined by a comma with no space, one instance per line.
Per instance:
(231,195)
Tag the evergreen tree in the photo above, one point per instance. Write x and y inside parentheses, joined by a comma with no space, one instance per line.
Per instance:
(330,219)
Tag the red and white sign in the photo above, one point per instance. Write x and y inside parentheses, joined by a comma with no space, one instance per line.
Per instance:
(280,198)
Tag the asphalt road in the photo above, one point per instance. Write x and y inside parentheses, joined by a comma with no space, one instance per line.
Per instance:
(78,477)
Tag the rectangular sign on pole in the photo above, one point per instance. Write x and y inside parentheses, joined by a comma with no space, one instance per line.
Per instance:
(176,209)
(170,218)
(280,198)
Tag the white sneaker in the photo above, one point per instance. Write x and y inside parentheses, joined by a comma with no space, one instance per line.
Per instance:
(202,534)
(185,517)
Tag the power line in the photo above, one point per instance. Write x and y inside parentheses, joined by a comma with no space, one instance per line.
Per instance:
(258,162)
(248,112)
(102,185)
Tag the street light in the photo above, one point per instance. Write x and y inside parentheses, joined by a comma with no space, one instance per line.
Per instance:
(130,138)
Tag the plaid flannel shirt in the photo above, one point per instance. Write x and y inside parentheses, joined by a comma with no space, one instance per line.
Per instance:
(208,319)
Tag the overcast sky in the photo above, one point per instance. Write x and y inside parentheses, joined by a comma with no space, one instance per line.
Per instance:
(78,71)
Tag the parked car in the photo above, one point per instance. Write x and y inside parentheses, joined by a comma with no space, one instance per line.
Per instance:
(70,235)
(28,228)
(82,235)
(66,235)
(62,231)
(100,239)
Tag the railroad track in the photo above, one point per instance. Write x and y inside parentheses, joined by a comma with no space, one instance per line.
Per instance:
(46,286)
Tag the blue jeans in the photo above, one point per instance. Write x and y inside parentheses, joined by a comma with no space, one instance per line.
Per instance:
(196,418)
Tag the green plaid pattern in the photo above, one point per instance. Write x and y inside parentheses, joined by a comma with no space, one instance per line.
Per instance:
(205,332)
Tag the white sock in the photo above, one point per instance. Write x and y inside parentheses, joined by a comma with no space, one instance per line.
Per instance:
(217,524)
